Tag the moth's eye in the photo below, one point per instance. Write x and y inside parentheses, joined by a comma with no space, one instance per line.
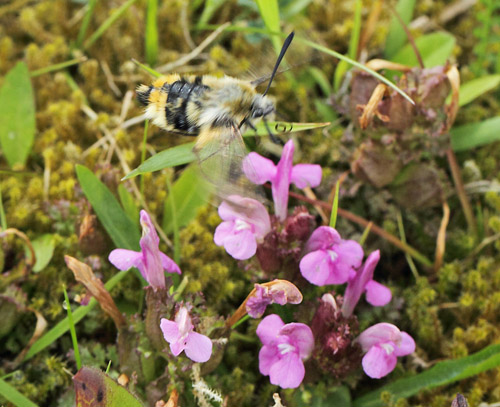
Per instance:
(258,112)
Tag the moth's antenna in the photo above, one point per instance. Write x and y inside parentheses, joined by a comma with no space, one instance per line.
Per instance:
(285,46)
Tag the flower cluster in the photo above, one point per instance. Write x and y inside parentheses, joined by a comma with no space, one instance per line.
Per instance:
(283,242)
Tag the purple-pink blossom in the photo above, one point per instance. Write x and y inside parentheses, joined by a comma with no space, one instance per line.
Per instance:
(260,170)
(245,223)
(383,343)
(285,348)
(377,294)
(150,261)
(329,259)
(181,337)
(278,291)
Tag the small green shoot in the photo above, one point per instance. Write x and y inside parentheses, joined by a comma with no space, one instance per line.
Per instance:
(72,330)
(475,88)
(146,68)
(85,23)
(3,219)
(343,66)
(402,236)
(143,153)
(365,234)
(270,13)
(151,36)
(243,319)
(43,246)
(57,67)
(108,367)
(475,134)
(335,206)
(107,23)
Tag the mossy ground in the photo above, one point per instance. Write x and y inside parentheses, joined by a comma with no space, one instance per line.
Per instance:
(452,312)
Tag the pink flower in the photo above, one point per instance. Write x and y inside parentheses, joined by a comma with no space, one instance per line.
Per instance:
(181,337)
(150,260)
(377,294)
(277,291)
(383,343)
(259,170)
(329,259)
(246,222)
(285,348)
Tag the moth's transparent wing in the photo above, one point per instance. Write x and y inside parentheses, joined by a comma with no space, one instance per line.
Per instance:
(220,156)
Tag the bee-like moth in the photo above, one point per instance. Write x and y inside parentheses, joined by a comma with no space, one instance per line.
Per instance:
(215,110)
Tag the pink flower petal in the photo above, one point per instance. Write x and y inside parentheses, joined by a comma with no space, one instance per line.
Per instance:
(300,336)
(269,328)
(248,210)
(124,259)
(377,294)
(268,356)
(281,182)
(222,232)
(316,267)
(322,238)
(241,245)
(378,363)
(177,347)
(198,347)
(168,264)
(258,169)
(288,372)
(379,333)
(306,175)
(169,329)
(406,347)
(350,253)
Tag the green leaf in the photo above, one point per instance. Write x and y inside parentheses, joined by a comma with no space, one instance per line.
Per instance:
(475,134)
(128,203)
(17,113)
(270,13)
(124,233)
(211,6)
(151,36)
(183,154)
(92,385)
(477,87)
(434,48)
(439,375)
(44,249)
(63,326)
(11,394)
(189,193)
(396,37)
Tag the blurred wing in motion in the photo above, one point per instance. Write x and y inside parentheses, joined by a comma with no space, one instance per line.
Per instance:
(220,155)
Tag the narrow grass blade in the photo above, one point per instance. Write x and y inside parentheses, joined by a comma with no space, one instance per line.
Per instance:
(335,206)
(107,23)
(183,154)
(11,394)
(211,6)
(124,233)
(17,110)
(343,66)
(396,37)
(57,67)
(146,68)
(143,152)
(72,330)
(441,374)
(85,23)
(475,134)
(170,213)
(434,48)
(151,36)
(3,219)
(63,326)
